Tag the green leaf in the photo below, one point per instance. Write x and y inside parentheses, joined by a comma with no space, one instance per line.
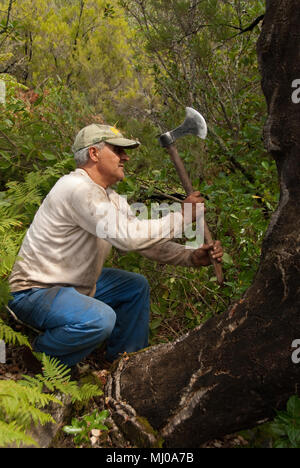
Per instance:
(72,429)
(281,443)
(5,164)
(38,101)
(100,426)
(265,165)
(293,406)
(8,123)
(49,156)
(277,429)
(227,258)
(155,323)
(294,436)
(6,156)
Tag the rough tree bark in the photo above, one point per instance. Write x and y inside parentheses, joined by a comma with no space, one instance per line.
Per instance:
(234,370)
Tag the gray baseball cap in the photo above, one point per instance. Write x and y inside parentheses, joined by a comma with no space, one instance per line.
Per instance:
(96,133)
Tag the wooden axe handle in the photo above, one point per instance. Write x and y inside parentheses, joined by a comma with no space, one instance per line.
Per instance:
(187,185)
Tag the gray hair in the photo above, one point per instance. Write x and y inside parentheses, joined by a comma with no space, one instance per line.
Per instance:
(82,156)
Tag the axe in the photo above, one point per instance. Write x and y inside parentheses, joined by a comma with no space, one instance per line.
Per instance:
(194,124)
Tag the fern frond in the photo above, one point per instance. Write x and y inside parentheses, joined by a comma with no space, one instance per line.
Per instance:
(69,388)
(12,434)
(28,191)
(7,223)
(22,406)
(56,377)
(54,370)
(10,336)
(88,391)
(34,382)
(22,402)
(17,396)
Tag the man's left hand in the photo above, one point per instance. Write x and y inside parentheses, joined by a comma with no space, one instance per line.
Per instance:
(201,257)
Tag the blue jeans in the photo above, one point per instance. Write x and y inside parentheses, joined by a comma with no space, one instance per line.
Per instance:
(74,324)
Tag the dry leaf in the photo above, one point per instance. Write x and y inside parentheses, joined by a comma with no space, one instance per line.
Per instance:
(94,440)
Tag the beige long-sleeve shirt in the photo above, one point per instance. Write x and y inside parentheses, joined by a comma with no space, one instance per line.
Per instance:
(76,226)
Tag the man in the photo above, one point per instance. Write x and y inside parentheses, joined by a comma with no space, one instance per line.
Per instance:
(59,284)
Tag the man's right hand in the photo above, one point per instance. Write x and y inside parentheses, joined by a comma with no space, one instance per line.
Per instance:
(193,199)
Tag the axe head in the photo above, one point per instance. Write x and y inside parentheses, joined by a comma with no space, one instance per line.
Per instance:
(194,124)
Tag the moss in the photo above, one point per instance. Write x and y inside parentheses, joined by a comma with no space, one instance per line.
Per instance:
(149,430)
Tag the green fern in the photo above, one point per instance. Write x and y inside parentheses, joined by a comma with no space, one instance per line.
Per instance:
(11,336)
(54,370)
(5,224)
(12,434)
(24,406)
(56,378)
(88,391)
(25,402)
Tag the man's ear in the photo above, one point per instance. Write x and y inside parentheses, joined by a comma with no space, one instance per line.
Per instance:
(94,153)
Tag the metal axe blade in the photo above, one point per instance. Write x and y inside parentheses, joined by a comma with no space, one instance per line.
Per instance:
(194,124)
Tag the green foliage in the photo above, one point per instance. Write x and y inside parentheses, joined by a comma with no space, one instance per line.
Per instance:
(12,434)
(22,404)
(84,45)
(282,432)
(37,130)
(196,62)
(11,336)
(56,378)
(83,429)
(286,425)
(25,402)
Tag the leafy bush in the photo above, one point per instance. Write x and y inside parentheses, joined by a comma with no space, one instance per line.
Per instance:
(286,425)
(87,429)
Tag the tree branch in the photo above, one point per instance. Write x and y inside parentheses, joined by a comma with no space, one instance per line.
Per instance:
(76,38)
(249,28)
(8,139)
(252,25)
(7,17)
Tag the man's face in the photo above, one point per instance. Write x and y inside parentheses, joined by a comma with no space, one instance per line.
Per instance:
(111,163)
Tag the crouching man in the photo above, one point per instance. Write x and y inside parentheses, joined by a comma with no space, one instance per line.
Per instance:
(58,282)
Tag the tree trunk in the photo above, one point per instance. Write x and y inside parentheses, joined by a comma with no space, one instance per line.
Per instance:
(233,371)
